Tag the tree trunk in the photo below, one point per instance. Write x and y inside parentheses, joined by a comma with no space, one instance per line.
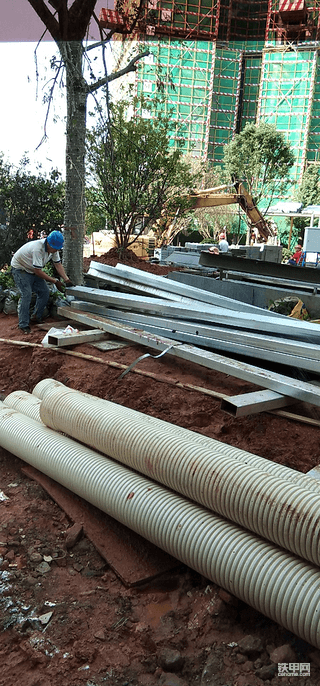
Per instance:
(65,24)
(74,219)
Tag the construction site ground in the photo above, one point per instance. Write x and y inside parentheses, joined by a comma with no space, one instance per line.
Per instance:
(66,616)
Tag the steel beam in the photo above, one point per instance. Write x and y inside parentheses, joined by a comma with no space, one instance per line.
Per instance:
(237,264)
(253,403)
(280,350)
(294,286)
(272,343)
(174,288)
(261,377)
(62,339)
(283,326)
(125,300)
(290,360)
(131,286)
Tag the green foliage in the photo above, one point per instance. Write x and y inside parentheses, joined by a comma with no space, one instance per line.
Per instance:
(211,223)
(296,233)
(309,190)
(6,279)
(286,253)
(27,203)
(49,269)
(308,193)
(95,211)
(138,180)
(261,157)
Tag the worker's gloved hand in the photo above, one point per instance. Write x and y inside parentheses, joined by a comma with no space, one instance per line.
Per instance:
(69,283)
(59,286)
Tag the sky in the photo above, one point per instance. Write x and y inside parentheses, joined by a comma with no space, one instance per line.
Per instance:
(22,112)
(19,21)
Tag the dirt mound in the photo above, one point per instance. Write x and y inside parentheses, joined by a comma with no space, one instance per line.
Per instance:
(112,257)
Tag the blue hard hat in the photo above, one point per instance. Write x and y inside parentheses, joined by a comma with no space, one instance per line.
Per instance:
(55,240)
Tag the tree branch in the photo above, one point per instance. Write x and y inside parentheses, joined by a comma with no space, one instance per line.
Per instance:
(80,14)
(63,19)
(72,24)
(116,75)
(55,79)
(96,45)
(47,18)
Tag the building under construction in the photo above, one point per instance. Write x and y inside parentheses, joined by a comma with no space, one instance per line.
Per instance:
(223,63)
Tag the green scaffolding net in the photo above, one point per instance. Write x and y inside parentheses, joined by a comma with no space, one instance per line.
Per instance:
(212,90)
(286,98)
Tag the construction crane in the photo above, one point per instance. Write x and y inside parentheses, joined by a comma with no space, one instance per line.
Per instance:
(166,228)
(213,197)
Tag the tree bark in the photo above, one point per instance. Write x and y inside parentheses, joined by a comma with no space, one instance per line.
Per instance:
(74,218)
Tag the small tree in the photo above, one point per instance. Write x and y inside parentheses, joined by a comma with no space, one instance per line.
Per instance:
(210,221)
(261,157)
(309,189)
(139,180)
(29,204)
(95,212)
(308,193)
(210,224)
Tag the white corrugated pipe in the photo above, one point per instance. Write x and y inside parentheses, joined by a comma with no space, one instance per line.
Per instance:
(24,402)
(274,508)
(48,386)
(272,581)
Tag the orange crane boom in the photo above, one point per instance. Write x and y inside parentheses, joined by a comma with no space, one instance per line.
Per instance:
(211,198)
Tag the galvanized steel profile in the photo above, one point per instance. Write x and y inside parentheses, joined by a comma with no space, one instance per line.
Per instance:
(280,383)
(175,289)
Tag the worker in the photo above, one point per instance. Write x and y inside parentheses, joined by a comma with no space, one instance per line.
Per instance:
(296,257)
(27,270)
(223,243)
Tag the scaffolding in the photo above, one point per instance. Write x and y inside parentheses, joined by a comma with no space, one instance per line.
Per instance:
(225,101)
(226,20)
(243,20)
(186,19)
(313,143)
(276,21)
(184,69)
(293,21)
(286,98)
(260,62)
(210,91)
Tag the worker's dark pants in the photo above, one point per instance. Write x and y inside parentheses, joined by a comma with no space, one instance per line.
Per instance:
(28,284)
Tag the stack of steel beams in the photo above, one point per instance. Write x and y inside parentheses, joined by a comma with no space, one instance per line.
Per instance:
(192,316)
